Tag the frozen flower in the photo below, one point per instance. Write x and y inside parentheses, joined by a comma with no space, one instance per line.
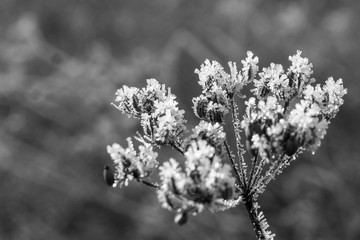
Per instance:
(307,125)
(206,182)
(148,158)
(211,108)
(220,87)
(210,179)
(299,73)
(212,76)
(218,95)
(173,180)
(334,92)
(276,131)
(129,164)
(250,67)
(269,132)
(273,80)
(134,101)
(314,93)
(234,83)
(261,144)
(163,122)
(212,133)
(207,173)
(155,88)
(264,126)
(169,170)
(300,66)
(199,153)
(211,73)
(168,121)
(215,132)
(268,108)
(128,101)
(329,97)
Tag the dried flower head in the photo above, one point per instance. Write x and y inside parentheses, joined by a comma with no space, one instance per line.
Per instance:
(285,116)
(206,181)
(132,165)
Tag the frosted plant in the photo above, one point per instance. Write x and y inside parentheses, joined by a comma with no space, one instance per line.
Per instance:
(210,176)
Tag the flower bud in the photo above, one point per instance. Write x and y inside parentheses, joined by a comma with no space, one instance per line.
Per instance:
(126,162)
(174,187)
(136,173)
(148,105)
(136,103)
(290,148)
(264,91)
(169,201)
(201,108)
(181,218)
(291,145)
(216,116)
(195,176)
(226,193)
(108,176)
(149,128)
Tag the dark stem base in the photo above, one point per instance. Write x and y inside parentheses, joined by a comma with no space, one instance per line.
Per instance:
(258,220)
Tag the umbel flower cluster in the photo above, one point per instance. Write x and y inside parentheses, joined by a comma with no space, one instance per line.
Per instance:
(286,115)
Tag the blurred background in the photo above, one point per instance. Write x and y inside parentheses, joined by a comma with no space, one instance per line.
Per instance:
(61,63)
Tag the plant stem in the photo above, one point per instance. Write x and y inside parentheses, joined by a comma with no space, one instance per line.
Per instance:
(286,105)
(235,167)
(258,220)
(150,184)
(239,146)
(177,148)
(252,171)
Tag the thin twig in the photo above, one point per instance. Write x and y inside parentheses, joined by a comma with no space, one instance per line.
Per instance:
(257,174)
(252,170)
(239,146)
(235,167)
(177,148)
(150,184)
(275,169)
(266,178)
(286,105)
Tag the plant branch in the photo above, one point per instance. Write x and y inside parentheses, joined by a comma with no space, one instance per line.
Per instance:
(150,184)
(239,146)
(252,171)
(258,220)
(177,148)
(275,169)
(257,174)
(235,167)
(286,105)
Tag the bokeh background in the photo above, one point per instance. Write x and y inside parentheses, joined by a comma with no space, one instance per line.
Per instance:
(61,62)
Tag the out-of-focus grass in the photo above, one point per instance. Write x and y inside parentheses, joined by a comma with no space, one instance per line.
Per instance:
(61,63)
